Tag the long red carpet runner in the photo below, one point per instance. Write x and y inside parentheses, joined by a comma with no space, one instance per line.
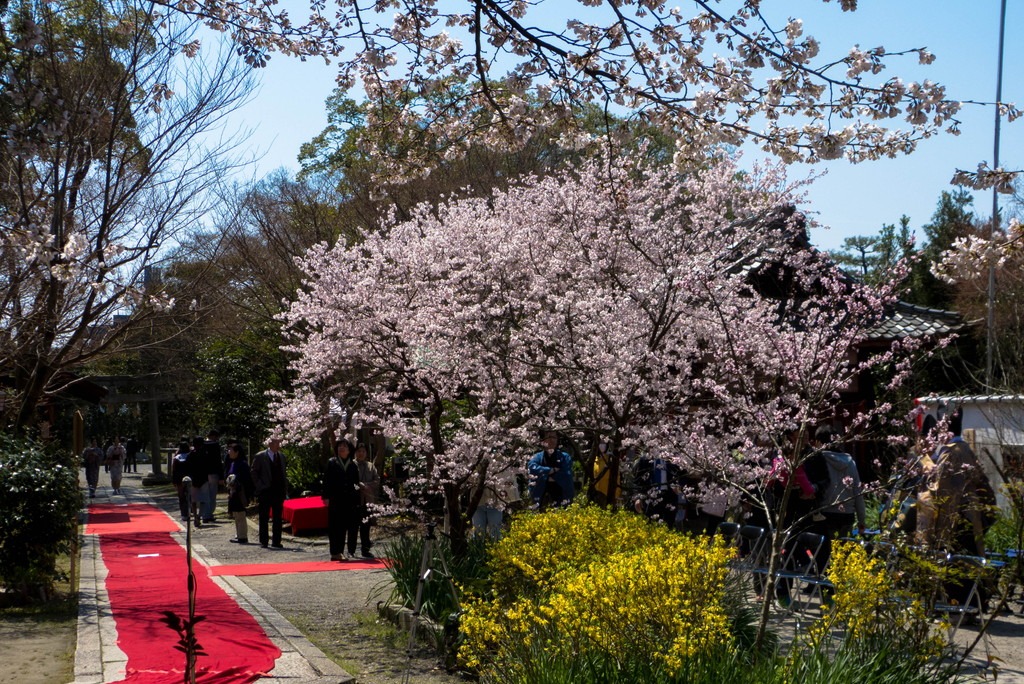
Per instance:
(146,577)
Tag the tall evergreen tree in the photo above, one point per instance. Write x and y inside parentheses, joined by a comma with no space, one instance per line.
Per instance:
(873,258)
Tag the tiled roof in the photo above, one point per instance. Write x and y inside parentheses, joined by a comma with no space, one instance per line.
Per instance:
(910,320)
(903,321)
(972,399)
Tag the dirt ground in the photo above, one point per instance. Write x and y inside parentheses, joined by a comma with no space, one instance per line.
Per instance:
(36,652)
(337,612)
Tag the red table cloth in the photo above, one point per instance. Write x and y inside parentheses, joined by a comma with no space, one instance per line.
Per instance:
(308,513)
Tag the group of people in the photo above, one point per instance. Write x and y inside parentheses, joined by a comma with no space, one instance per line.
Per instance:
(114,457)
(827,494)
(264,480)
(827,486)
(350,487)
(203,462)
(823,491)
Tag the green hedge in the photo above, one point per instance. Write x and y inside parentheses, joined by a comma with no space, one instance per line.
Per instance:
(39,504)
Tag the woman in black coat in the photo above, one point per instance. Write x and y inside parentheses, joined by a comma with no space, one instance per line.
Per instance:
(341,494)
(240,491)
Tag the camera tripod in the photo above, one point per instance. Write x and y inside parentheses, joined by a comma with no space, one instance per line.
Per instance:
(426,571)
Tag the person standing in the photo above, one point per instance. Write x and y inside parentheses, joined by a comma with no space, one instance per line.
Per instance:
(605,493)
(657,489)
(240,490)
(179,470)
(550,470)
(499,493)
(115,464)
(342,495)
(131,455)
(270,483)
(92,457)
(369,486)
(200,484)
(214,465)
(843,501)
(955,506)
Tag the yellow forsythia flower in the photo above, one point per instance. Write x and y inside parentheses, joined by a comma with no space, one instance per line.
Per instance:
(584,578)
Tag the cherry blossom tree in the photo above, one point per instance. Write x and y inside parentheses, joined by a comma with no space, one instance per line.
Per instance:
(681,313)
(965,267)
(102,164)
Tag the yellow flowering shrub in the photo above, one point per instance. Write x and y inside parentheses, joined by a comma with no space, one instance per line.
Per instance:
(861,589)
(541,546)
(613,583)
(663,600)
(867,606)
(490,628)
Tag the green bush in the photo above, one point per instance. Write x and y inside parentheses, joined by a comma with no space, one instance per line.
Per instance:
(1008,528)
(305,466)
(405,557)
(39,504)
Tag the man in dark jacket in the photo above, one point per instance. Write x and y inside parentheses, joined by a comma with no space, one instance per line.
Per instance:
(657,489)
(551,478)
(271,484)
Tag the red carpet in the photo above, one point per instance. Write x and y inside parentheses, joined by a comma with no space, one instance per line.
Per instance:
(147,576)
(283,568)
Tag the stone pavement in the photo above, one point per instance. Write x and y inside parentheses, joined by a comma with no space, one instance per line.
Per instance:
(98,658)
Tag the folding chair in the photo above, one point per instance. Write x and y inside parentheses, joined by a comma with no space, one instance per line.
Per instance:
(729,531)
(885,551)
(798,563)
(1013,558)
(800,566)
(1006,564)
(819,583)
(959,591)
(752,541)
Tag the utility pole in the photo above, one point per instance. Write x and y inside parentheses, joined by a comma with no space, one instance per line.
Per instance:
(990,338)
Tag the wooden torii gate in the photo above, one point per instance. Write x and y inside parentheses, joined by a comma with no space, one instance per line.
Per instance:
(151,394)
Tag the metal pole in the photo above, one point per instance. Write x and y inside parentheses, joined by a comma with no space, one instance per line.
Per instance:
(154,433)
(994,225)
(190,640)
(426,567)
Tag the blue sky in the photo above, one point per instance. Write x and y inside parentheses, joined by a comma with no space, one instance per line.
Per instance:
(849,199)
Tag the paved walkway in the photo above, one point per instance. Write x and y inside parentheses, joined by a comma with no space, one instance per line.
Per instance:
(98,658)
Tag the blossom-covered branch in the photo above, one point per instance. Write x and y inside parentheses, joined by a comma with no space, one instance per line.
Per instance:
(492,71)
